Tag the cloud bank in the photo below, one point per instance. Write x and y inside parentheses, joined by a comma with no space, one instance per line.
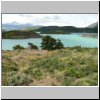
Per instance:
(77,20)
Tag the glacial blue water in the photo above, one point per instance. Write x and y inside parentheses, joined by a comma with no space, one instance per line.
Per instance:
(68,40)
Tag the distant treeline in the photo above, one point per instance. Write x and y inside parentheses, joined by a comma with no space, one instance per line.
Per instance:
(65,30)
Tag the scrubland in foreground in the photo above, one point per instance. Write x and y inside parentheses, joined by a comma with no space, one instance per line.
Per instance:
(73,66)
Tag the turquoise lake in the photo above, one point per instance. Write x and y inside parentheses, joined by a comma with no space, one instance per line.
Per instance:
(67,40)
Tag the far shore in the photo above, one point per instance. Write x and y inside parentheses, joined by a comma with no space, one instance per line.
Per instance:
(21,38)
(93,35)
(90,35)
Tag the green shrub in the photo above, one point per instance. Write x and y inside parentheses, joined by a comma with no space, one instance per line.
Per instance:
(11,66)
(76,72)
(19,80)
(70,72)
(37,74)
(4,79)
(78,48)
(93,79)
(90,80)
(59,44)
(80,82)
(51,64)
(18,47)
(29,71)
(32,46)
(67,81)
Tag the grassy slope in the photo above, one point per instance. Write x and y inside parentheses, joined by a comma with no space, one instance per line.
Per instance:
(70,66)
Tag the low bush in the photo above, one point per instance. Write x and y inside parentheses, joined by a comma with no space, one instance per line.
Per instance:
(32,46)
(18,47)
(37,74)
(90,80)
(28,70)
(19,80)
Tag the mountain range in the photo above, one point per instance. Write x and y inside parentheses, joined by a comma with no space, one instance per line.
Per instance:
(94,25)
(50,29)
(93,28)
(17,26)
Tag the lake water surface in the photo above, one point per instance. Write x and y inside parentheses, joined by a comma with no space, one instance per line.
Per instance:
(68,40)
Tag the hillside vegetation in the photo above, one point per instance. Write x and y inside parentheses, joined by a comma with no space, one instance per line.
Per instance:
(74,66)
(19,34)
(66,30)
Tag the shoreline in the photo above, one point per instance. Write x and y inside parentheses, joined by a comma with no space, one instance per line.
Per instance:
(21,38)
(93,35)
(75,47)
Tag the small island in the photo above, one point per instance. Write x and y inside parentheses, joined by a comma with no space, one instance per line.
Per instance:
(20,34)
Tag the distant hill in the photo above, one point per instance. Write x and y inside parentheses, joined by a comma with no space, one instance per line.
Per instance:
(94,25)
(17,26)
(58,30)
(15,30)
(93,28)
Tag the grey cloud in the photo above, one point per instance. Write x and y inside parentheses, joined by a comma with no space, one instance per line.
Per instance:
(56,17)
(47,17)
(25,15)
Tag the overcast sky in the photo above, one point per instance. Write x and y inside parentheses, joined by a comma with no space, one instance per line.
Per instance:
(78,20)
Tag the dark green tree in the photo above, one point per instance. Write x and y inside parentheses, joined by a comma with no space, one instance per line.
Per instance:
(49,43)
(18,47)
(59,44)
(32,46)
